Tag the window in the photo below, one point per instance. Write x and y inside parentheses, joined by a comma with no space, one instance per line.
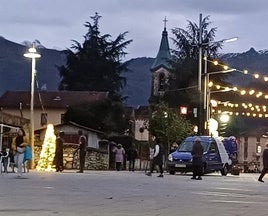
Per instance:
(43,119)
(161,82)
(213,147)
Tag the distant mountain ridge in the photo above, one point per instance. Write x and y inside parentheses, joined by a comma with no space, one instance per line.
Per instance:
(251,60)
(15,70)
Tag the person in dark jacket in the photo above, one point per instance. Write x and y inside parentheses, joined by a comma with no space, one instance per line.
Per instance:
(157,159)
(265,163)
(132,154)
(197,153)
(58,158)
(82,150)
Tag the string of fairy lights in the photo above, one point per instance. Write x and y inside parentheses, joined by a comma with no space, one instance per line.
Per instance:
(244,108)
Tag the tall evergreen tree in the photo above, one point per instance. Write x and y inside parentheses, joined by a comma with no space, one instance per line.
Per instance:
(186,54)
(185,60)
(96,64)
(106,116)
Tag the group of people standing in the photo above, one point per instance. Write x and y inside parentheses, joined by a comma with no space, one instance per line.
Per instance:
(58,158)
(120,154)
(21,152)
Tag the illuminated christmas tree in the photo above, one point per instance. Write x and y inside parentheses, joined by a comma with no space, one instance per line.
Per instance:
(47,154)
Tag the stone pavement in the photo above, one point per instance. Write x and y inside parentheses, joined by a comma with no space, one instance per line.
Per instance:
(103,193)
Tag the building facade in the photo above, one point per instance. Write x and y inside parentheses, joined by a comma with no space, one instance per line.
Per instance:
(49,106)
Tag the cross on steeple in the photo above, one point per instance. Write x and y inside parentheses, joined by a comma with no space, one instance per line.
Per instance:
(165,22)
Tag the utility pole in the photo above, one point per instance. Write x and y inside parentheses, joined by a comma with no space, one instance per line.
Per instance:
(200,125)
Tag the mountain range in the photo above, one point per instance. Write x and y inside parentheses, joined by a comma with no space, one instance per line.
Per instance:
(15,70)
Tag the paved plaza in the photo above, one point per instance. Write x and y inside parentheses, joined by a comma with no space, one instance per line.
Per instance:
(103,193)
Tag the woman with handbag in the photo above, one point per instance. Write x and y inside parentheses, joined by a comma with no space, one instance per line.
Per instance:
(19,144)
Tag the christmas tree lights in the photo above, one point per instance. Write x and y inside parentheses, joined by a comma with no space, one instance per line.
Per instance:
(47,154)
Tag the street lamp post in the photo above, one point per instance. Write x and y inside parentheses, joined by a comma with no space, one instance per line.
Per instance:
(200,50)
(206,74)
(200,73)
(33,55)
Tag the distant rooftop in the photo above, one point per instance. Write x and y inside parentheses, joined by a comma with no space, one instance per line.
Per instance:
(50,99)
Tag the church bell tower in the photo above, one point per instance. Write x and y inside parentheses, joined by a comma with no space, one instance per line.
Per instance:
(161,66)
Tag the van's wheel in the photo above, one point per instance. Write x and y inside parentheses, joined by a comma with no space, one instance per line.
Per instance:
(224,170)
(171,172)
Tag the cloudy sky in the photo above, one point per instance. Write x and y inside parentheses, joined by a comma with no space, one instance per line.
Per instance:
(56,22)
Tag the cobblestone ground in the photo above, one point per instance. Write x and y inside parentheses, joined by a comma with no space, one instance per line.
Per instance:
(101,193)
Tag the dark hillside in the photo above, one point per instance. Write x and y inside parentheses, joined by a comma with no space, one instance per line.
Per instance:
(15,69)
(138,88)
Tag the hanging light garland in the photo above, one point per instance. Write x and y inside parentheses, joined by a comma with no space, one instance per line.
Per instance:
(243,109)
(249,92)
(245,71)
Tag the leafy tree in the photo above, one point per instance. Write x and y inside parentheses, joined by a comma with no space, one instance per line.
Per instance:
(95,65)
(168,126)
(106,116)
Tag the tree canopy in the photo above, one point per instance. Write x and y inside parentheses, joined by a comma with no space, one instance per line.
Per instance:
(168,126)
(96,64)
(105,116)
(186,55)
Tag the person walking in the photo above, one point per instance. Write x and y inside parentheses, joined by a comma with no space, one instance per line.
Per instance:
(119,156)
(19,144)
(265,163)
(197,153)
(131,156)
(82,151)
(156,159)
(58,158)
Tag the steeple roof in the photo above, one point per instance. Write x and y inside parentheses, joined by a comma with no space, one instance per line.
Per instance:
(163,57)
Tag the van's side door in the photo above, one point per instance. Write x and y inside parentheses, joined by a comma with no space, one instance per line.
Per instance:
(213,157)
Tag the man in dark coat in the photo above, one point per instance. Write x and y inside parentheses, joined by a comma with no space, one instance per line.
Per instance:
(265,163)
(131,157)
(82,151)
(197,153)
(58,159)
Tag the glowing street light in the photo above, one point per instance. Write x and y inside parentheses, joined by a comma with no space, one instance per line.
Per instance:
(33,55)
(224,118)
(207,92)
